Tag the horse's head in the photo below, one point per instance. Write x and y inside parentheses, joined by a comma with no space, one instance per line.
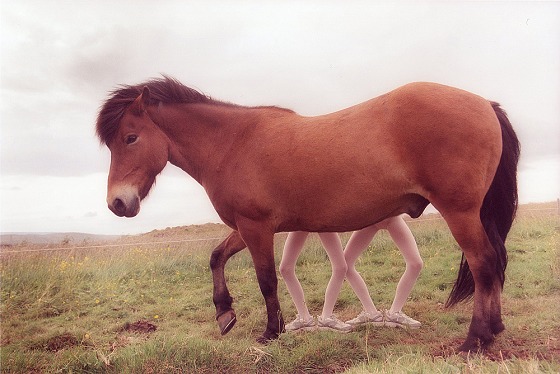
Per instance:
(139,152)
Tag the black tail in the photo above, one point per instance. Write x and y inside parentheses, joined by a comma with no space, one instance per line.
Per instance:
(497,212)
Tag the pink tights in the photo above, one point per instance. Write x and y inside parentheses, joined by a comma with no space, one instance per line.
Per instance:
(343,265)
(292,249)
(401,235)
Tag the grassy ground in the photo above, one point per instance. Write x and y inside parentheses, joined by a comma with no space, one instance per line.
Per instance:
(148,308)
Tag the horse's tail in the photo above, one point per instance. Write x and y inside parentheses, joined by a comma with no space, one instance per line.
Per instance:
(497,212)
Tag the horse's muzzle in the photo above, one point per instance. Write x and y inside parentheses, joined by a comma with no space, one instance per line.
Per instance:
(124,206)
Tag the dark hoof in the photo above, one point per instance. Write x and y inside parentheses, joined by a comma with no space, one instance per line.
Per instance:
(497,327)
(475,345)
(264,340)
(226,321)
(267,338)
(469,347)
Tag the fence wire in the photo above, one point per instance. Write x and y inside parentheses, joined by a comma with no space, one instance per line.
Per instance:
(98,246)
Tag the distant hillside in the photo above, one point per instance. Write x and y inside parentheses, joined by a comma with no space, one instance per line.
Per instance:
(218,230)
(7,239)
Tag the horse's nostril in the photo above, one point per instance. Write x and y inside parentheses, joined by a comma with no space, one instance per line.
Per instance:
(119,207)
(124,206)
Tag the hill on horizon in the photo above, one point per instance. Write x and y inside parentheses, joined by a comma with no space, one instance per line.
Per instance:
(14,238)
(200,230)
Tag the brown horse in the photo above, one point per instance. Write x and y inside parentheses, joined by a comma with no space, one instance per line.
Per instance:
(269,170)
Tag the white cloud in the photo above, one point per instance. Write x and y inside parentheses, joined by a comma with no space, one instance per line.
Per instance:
(77,204)
(59,60)
(540,181)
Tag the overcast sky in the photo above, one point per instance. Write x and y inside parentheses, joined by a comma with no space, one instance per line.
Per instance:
(59,59)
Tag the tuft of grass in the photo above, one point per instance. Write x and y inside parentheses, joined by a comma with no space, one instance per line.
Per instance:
(68,310)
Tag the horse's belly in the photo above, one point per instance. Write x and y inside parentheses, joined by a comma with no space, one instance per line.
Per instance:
(348,212)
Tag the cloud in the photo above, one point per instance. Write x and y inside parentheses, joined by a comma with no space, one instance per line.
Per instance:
(56,204)
(540,181)
(59,60)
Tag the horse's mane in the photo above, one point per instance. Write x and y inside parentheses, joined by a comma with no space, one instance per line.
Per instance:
(166,90)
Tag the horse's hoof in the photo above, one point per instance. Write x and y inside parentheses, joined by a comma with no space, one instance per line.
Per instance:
(264,340)
(474,346)
(267,338)
(467,347)
(497,327)
(226,321)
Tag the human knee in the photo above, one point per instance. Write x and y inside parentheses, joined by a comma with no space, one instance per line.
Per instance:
(351,272)
(340,270)
(349,260)
(286,269)
(416,265)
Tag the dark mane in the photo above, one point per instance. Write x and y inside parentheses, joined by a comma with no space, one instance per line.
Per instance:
(166,90)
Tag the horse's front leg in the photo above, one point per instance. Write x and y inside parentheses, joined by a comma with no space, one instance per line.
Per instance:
(261,245)
(225,315)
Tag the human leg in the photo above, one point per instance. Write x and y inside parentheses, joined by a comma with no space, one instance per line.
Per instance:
(403,238)
(356,245)
(333,246)
(292,249)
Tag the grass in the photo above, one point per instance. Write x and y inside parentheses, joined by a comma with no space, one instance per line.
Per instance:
(71,310)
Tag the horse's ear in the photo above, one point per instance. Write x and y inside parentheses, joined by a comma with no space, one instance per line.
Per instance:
(141,103)
(145,97)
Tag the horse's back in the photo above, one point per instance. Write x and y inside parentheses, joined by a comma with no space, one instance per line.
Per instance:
(389,155)
(420,131)
(414,115)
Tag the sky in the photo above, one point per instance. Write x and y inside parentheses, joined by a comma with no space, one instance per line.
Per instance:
(59,60)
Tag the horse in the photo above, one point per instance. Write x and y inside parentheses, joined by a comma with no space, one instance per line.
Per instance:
(268,169)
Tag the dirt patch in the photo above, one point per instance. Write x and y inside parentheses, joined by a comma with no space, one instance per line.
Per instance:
(5,341)
(59,342)
(547,349)
(140,327)
(447,349)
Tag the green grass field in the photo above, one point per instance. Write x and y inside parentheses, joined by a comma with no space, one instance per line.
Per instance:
(82,309)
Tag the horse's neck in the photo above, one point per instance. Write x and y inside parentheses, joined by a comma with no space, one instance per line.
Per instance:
(202,134)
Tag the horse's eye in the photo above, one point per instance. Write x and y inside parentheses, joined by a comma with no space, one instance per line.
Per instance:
(131,139)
